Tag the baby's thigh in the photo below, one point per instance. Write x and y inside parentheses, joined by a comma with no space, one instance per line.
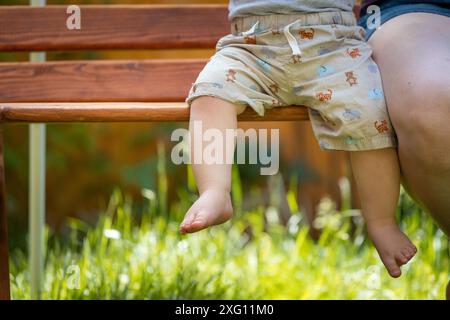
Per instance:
(238,76)
(346,101)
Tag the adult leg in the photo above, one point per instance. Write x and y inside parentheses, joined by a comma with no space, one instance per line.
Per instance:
(413,53)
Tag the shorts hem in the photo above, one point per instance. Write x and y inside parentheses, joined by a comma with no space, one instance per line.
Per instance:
(258,107)
(365,144)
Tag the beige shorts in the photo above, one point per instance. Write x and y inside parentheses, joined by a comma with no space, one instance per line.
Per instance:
(318,60)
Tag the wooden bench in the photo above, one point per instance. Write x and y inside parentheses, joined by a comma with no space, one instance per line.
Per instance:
(132,90)
(112,90)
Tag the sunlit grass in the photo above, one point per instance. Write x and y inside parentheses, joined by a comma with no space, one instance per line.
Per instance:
(140,255)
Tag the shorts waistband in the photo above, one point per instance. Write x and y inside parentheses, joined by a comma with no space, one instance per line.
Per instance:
(278,21)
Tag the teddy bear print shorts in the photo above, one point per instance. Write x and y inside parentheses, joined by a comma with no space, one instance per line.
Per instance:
(317,60)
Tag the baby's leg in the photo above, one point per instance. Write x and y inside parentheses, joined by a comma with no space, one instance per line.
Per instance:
(377,176)
(213,180)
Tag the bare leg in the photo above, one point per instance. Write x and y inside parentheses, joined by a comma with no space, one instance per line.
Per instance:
(413,53)
(418,101)
(377,177)
(213,180)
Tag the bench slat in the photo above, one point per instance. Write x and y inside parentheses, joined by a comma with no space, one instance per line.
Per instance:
(126,112)
(156,80)
(113,27)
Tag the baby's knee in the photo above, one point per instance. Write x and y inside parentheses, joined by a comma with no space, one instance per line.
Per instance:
(209,105)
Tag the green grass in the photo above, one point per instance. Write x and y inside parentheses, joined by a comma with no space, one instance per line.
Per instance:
(140,255)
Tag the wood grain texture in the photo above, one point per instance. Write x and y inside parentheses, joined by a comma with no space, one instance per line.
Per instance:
(126,112)
(157,80)
(113,27)
(4,256)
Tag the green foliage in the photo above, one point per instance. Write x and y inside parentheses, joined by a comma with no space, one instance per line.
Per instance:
(141,255)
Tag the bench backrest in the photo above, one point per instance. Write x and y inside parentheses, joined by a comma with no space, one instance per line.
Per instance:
(106,27)
(109,90)
(41,91)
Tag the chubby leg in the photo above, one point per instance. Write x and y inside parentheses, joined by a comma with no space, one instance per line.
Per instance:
(413,53)
(213,180)
(377,177)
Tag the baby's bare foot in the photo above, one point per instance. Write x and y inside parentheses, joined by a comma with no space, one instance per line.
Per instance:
(393,246)
(211,208)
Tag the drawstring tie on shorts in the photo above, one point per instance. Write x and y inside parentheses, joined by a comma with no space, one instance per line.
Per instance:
(290,38)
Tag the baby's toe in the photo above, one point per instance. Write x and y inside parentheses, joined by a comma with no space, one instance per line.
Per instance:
(409,251)
(186,225)
(392,267)
(402,257)
(198,222)
(406,252)
(200,219)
